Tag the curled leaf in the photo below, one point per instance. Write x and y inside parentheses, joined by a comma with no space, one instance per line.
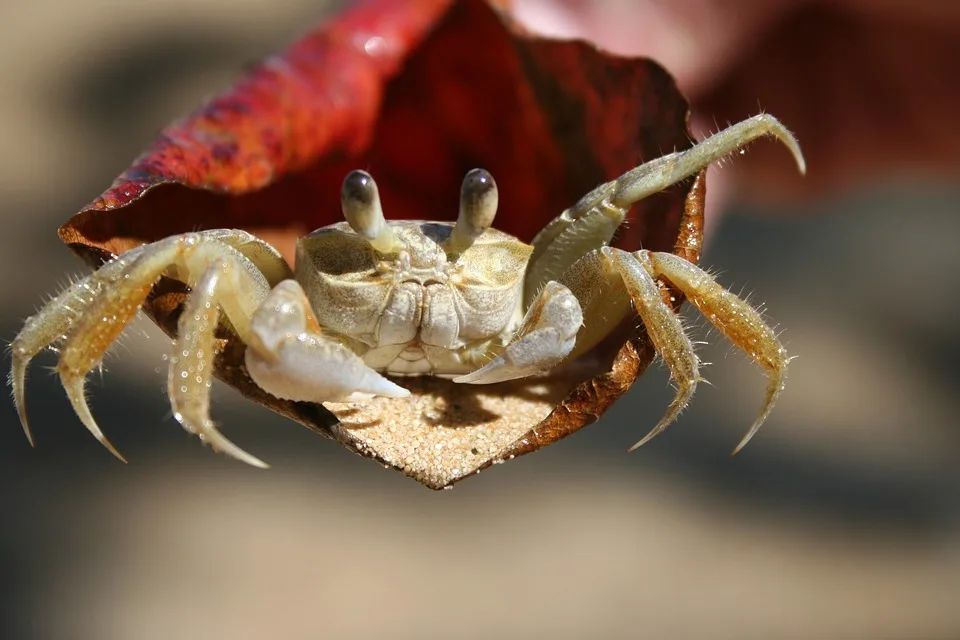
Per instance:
(417,93)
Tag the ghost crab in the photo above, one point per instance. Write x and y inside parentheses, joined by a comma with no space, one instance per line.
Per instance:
(372,298)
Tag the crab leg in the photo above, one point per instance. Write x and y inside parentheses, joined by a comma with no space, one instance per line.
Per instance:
(655,176)
(637,274)
(547,335)
(52,324)
(295,362)
(592,222)
(91,314)
(192,362)
(664,328)
(734,317)
(230,273)
(607,282)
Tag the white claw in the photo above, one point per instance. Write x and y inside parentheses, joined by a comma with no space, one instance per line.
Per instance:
(291,360)
(377,385)
(311,368)
(548,334)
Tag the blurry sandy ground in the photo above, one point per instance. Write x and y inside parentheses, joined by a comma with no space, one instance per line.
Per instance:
(841,520)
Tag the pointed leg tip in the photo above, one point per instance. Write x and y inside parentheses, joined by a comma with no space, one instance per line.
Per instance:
(18,375)
(75,392)
(750,434)
(195,418)
(639,444)
(778,130)
(221,443)
(22,413)
(788,139)
(111,449)
(742,444)
(801,165)
(102,439)
(773,392)
(657,430)
(239,454)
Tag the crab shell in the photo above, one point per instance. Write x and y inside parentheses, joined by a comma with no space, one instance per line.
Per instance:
(418,93)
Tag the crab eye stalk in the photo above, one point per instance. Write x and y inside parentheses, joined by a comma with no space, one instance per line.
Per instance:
(478,206)
(360,201)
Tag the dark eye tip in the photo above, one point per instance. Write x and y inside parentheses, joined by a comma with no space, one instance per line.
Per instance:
(359,187)
(477,182)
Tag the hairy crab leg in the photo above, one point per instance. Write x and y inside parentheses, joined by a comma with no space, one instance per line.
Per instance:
(97,327)
(230,273)
(592,221)
(192,362)
(656,175)
(665,330)
(90,315)
(733,316)
(608,281)
(52,324)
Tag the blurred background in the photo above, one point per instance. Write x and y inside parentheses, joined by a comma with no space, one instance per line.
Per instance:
(840,520)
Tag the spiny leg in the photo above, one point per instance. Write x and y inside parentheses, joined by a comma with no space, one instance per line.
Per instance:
(547,335)
(665,330)
(295,362)
(285,353)
(99,325)
(656,175)
(90,314)
(42,329)
(733,316)
(192,363)
(51,324)
(592,222)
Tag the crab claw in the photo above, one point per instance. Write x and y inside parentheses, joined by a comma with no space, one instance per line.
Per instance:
(295,362)
(548,334)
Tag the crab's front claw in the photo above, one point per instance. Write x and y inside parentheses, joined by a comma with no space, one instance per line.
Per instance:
(290,359)
(547,335)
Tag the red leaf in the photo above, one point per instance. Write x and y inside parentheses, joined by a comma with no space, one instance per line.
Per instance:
(417,93)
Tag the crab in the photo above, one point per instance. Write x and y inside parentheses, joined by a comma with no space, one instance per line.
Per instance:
(372,301)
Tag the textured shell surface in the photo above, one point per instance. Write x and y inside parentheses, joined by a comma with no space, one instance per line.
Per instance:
(422,309)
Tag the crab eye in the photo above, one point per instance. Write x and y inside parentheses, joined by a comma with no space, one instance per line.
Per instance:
(478,206)
(360,201)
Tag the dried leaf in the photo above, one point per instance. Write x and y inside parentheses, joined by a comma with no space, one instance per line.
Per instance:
(417,93)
